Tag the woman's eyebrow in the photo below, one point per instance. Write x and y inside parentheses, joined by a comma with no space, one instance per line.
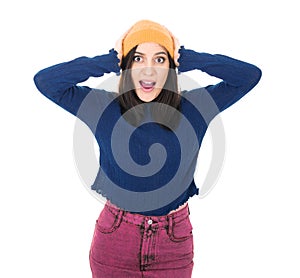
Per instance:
(158,53)
(162,52)
(136,52)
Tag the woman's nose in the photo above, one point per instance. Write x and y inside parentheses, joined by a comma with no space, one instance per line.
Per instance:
(148,70)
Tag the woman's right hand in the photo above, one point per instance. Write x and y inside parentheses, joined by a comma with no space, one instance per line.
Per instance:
(119,46)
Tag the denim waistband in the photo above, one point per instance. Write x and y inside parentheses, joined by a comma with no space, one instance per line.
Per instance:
(145,220)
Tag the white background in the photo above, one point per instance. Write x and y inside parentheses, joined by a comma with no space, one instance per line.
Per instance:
(248,226)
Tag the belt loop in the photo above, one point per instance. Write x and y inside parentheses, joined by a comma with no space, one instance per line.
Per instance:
(170,223)
(119,217)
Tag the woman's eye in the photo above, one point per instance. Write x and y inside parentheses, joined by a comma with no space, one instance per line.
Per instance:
(137,59)
(160,60)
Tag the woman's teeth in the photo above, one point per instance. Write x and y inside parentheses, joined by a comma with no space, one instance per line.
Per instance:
(147,85)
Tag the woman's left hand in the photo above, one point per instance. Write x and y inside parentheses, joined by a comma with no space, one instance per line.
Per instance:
(176,48)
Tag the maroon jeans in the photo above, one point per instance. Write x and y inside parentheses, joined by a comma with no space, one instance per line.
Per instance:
(133,245)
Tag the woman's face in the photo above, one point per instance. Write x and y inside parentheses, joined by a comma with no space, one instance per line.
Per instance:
(150,70)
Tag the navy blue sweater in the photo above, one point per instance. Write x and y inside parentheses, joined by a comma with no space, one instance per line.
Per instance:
(146,169)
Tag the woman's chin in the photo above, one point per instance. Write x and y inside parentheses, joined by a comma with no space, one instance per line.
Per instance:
(147,96)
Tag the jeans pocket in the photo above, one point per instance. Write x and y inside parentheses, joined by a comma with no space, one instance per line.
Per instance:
(107,222)
(181,231)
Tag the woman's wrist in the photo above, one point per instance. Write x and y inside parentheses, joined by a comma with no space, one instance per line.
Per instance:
(187,59)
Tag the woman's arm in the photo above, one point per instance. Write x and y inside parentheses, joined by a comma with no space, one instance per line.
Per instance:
(58,82)
(238,77)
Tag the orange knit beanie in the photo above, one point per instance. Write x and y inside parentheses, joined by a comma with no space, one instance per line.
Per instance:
(148,31)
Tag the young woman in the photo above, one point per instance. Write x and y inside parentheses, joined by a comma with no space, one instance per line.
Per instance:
(149,134)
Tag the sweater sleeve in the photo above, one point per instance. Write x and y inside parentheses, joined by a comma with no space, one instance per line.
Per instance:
(238,77)
(59,82)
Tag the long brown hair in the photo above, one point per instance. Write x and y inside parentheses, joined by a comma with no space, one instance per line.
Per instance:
(168,97)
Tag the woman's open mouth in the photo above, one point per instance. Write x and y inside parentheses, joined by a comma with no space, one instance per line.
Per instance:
(147,86)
